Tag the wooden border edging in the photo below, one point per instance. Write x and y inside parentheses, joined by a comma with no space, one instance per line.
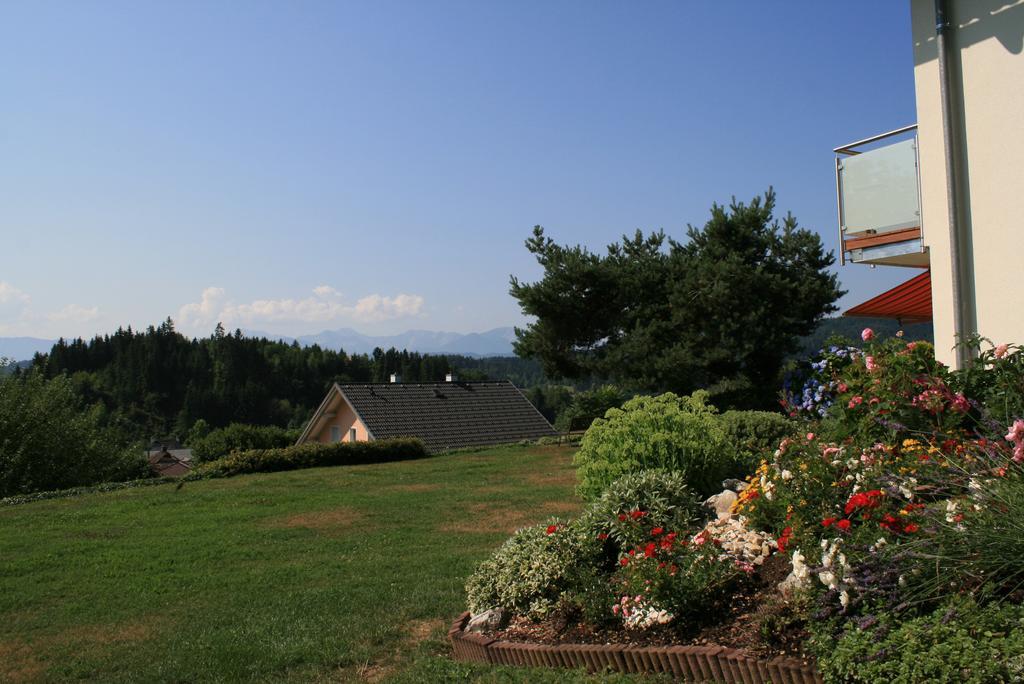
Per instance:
(685,663)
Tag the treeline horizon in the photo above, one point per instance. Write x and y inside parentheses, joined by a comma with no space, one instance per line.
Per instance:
(159,382)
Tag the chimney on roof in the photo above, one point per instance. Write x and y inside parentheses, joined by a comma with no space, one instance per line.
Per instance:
(450,377)
(396,378)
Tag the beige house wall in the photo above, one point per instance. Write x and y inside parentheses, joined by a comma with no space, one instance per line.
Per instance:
(338,414)
(988,64)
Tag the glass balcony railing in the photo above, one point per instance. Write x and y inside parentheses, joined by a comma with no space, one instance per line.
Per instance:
(878,189)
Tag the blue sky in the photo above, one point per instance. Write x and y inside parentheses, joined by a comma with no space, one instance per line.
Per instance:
(291,167)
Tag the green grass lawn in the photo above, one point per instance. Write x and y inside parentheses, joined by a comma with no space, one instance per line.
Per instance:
(329,574)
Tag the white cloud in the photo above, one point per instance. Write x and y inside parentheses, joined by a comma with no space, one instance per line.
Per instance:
(325,305)
(75,313)
(18,316)
(10,295)
(204,312)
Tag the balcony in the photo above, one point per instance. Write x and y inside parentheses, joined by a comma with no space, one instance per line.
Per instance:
(878,189)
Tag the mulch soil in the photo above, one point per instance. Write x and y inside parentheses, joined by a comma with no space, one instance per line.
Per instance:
(740,624)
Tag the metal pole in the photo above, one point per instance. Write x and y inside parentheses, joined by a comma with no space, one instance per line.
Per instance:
(961,303)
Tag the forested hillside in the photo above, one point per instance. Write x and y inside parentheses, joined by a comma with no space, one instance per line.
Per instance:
(158,381)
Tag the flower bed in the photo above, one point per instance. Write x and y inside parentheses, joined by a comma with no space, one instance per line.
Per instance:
(687,663)
(896,507)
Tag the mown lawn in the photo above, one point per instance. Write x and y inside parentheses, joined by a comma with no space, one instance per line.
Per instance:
(330,574)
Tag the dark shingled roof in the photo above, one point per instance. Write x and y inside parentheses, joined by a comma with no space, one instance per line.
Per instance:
(448,415)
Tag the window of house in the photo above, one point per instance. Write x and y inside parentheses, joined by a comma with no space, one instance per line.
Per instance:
(335,433)
(352,435)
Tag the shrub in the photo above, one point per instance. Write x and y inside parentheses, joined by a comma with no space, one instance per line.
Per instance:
(240,437)
(667,432)
(311,455)
(958,642)
(48,440)
(755,434)
(663,497)
(585,407)
(675,579)
(530,571)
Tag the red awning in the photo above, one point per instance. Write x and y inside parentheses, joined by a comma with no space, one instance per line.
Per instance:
(910,302)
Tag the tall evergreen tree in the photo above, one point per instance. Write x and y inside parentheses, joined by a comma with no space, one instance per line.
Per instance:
(720,310)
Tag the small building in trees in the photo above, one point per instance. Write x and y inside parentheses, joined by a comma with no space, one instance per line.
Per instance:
(168,447)
(444,415)
(166,463)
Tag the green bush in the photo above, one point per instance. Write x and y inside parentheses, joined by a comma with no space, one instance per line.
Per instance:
(755,434)
(313,455)
(530,571)
(668,432)
(585,407)
(49,440)
(240,437)
(958,642)
(664,498)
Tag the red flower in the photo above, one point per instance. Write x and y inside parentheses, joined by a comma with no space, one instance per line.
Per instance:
(843,524)
(602,536)
(552,529)
(638,514)
(890,523)
(624,561)
(622,517)
(649,550)
(827,522)
(863,500)
(656,531)
(911,527)
(784,538)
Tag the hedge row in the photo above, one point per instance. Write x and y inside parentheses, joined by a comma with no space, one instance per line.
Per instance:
(258,461)
(310,456)
(89,489)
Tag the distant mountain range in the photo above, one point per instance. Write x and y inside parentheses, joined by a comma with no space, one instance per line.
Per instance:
(496,342)
(23,348)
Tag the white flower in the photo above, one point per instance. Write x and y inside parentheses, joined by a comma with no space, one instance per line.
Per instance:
(828,579)
(786,475)
(844,598)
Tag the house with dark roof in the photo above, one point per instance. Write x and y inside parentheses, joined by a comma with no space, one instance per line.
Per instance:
(444,415)
(165,463)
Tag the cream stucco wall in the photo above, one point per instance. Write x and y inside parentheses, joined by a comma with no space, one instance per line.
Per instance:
(338,413)
(988,62)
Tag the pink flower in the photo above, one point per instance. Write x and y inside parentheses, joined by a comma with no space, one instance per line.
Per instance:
(1016,433)
(842,387)
(911,346)
(810,436)
(867,334)
(1001,350)
(855,402)
(960,403)
(869,363)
